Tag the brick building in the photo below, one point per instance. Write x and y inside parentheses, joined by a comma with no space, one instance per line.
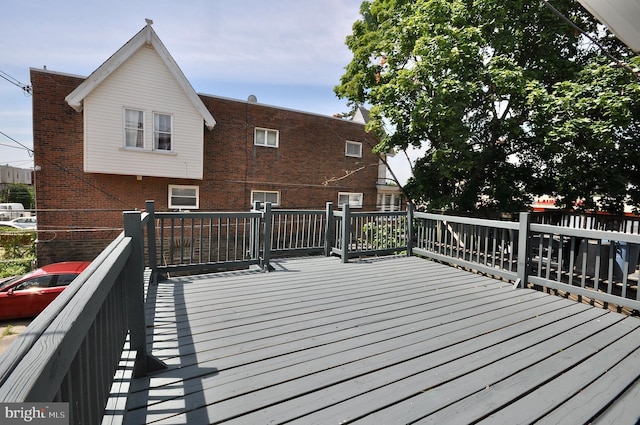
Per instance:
(135,130)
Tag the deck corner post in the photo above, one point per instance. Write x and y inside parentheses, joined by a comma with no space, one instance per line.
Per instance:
(523,248)
(346,232)
(151,238)
(329,230)
(409,229)
(266,254)
(134,280)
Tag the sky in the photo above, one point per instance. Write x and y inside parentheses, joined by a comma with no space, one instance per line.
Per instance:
(288,53)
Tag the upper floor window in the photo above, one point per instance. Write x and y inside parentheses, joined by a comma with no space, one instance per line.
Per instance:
(353,199)
(353,149)
(266,137)
(162,134)
(265,196)
(184,197)
(133,128)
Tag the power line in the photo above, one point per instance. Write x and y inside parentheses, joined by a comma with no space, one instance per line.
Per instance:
(25,87)
(28,149)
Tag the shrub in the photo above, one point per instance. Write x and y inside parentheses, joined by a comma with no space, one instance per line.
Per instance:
(17,251)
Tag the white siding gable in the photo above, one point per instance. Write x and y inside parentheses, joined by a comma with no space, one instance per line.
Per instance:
(143,82)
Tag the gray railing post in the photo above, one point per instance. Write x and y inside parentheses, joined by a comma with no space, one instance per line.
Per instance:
(329,230)
(523,249)
(151,238)
(346,232)
(409,229)
(134,281)
(266,254)
(254,243)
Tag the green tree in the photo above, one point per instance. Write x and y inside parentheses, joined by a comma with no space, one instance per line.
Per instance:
(589,131)
(462,78)
(20,193)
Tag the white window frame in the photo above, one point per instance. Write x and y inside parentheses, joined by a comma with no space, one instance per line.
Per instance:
(357,145)
(266,132)
(157,132)
(138,129)
(355,199)
(178,206)
(265,192)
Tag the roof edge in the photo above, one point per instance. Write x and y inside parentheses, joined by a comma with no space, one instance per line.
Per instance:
(144,37)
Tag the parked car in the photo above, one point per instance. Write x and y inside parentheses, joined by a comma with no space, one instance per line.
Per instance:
(28,295)
(7,225)
(10,211)
(26,222)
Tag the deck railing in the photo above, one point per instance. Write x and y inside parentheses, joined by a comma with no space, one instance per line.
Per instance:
(488,246)
(72,349)
(70,352)
(580,262)
(597,264)
(370,233)
(201,241)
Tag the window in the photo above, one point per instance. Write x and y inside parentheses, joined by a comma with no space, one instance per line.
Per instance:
(265,137)
(353,199)
(162,132)
(265,196)
(36,282)
(353,149)
(183,197)
(389,202)
(133,128)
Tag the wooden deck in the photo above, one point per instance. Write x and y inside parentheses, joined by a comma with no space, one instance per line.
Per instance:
(383,341)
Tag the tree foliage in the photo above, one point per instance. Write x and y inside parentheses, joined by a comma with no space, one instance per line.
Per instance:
(20,193)
(485,87)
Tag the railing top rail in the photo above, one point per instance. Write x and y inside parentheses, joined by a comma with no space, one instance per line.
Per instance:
(513,225)
(352,213)
(298,212)
(585,233)
(211,214)
(378,213)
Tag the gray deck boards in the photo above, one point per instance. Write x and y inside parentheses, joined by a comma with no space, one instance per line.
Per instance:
(384,341)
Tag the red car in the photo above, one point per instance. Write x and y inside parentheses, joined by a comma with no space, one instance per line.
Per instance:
(28,295)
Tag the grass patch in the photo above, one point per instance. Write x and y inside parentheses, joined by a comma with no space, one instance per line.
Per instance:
(8,331)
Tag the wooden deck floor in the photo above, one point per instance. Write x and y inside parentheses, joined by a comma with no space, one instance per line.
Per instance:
(384,341)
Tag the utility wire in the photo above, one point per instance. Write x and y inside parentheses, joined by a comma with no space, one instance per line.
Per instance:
(20,144)
(25,87)
(79,177)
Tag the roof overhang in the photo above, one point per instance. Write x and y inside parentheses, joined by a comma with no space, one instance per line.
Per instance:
(146,36)
(622,17)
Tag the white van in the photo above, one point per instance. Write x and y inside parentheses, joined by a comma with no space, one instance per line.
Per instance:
(10,211)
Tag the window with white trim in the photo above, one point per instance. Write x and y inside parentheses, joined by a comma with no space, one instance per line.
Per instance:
(162,131)
(266,137)
(184,197)
(353,199)
(353,149)
(133,128)
(265,196)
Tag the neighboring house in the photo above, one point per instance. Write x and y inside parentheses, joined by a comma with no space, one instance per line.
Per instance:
(135,130)
(390,196)
(9,174)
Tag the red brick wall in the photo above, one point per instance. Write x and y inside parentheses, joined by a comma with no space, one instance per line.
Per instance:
(77,206)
